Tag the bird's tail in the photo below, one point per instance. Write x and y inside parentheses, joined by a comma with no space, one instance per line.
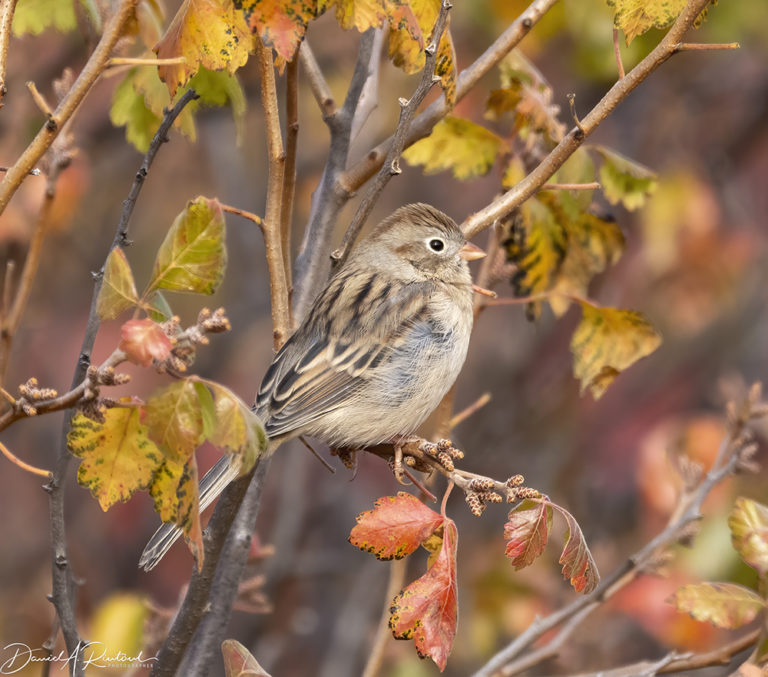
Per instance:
(227,468)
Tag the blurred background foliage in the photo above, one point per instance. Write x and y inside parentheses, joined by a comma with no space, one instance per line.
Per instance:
(695,265)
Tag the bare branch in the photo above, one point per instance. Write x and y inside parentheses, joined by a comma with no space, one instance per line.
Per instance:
(254,218)
(23,464)
(68,105)
(369,97)
(705,46)
(422,125)
(317,83)
(571,141)
(391,166)
(617,54)
(289,178)
(6,22)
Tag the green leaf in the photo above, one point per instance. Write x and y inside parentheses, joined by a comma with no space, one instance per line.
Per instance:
(118,290)
(174,418)
(118,456)
(748,523)
(193,255)
(624,180)
(219,88)
(158,307)
(579,168)
(129,109)
(34,16)
(465,148)
(606,342)
(724,605)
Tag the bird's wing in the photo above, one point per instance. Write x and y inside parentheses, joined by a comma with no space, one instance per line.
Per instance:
(332,355)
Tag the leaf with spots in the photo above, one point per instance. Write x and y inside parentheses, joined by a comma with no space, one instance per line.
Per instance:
(467,149)
(635,17)
(625,181)
(210,33)
(724,605)
(748,523)
(175,492)
(427,610)
(280,23)
(606,342)
(193,255)
(395,527)
(407,50)
(118,290)
(118,456)
(365,14)
(527,532)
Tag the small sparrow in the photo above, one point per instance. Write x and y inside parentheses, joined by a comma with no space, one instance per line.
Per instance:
(384,341)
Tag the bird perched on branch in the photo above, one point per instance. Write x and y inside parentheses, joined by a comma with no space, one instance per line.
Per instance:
(382,344)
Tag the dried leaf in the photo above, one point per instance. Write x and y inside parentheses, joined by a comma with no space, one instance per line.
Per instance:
(578,565)
(118,290)
(608,341)
(239,662)
(209,33)
(427,610)
(725,605)
(465,148)
(144,341)
(193,255)
(395,527)
(527,531)
(748,523)
(118,456)
(624,180)
(175,419)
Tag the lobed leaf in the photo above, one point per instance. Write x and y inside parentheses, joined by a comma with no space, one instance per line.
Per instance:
(395,527)
(606,342)
(144,341)
(193,255)
(118,290)
(427,610)
(118,456)
(527,531)
(213,34)
(365,14)
(578,564)
(280,23)
(725,605)
(748,523)
(635,17)
(465,148)
(624,180)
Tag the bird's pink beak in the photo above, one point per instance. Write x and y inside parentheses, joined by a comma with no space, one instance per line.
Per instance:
(471,252)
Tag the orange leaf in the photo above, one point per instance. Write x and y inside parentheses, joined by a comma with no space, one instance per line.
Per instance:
(427,610)
(280,23)
(527,532)
(395,527)
(144,341)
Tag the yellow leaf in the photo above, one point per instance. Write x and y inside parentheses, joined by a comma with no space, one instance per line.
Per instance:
(174,416)
(748,523)
(606,342)
(407,50)
(209,33)
(635,17)
(34,16)
(365,14)
(175,492)
(280,23)
(465,148)
(624,180)
(118,456)
(118,290)
(118,628)
(725,605)
(193,256)
(594,244)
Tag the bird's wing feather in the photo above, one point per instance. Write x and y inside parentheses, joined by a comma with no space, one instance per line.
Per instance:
(323,364)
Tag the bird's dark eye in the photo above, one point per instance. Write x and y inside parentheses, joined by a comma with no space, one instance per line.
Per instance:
(436,244)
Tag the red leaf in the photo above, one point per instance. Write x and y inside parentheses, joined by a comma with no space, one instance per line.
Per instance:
(144,341)
(527,532)
(427,610)
(395,527)
(577,561)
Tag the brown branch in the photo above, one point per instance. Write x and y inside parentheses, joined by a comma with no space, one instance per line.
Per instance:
(391,165)
(705,46)
(69,103)
(255,218)
(39,100)
(289,179)
(422,125)
(571,186)
(23,464)
(6,23)
(617,54)
(509,660)
(575,137)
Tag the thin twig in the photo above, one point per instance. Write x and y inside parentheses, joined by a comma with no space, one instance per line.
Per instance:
(291,147)
(391,166)
(688,512)
(255,218)
(135,61)
(69,103)
(571,186)
(39,100)
(705,46)
(63,584)
(617,54)
(575,137)
(422,125)
(464,414)
(317,83)
(23,464)
(312,262)
(6,22)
